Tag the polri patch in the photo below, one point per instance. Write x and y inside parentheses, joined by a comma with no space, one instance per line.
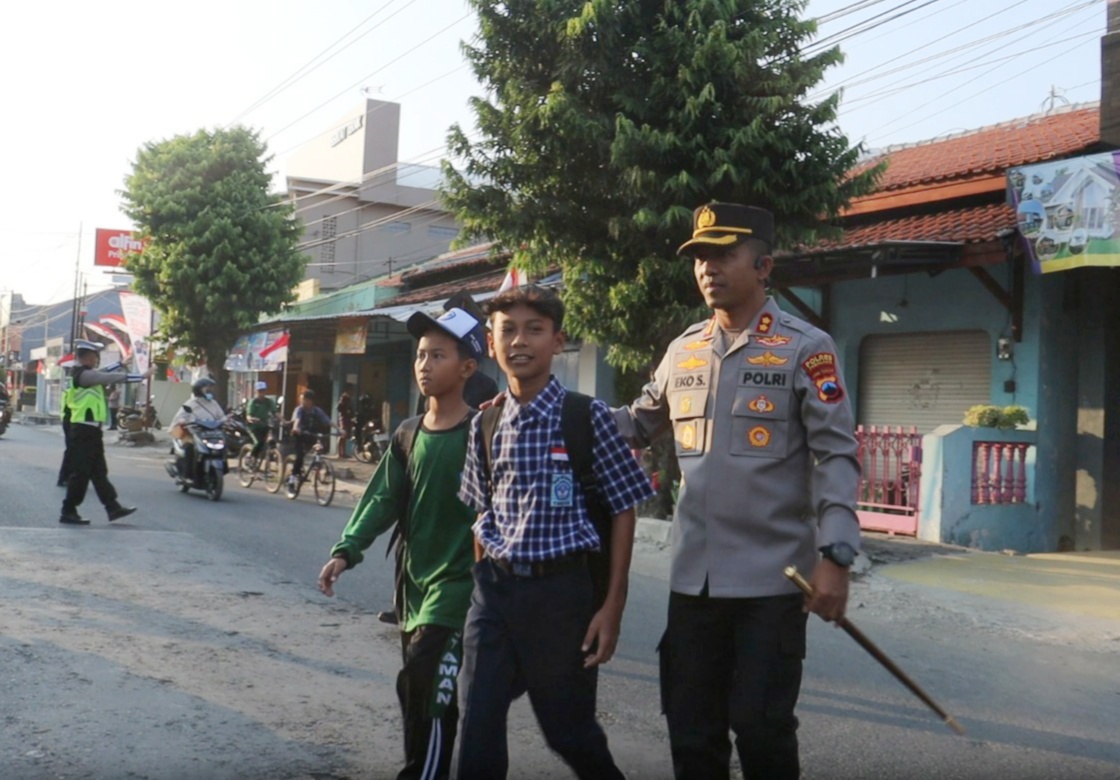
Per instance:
(751,378)
(821,369)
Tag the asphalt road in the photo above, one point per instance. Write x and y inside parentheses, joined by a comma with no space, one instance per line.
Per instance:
(1037,704)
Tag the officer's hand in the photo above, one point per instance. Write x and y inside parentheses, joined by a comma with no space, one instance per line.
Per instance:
(330,574)
(830,590)
(602,632)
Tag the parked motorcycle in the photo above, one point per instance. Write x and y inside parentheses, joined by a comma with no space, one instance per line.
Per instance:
(208,467)
(5,414)
(133,419)
(370,443)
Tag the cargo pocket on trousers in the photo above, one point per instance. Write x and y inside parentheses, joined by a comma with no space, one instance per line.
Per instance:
(663,663)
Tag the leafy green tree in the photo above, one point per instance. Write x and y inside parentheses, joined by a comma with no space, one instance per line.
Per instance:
(221,250)
(606,122)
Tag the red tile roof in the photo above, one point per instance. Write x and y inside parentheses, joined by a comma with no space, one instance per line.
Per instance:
(970,225)
(991,150)
(483,283)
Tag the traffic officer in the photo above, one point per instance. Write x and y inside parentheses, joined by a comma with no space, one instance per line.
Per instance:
(89,411)
(769,476)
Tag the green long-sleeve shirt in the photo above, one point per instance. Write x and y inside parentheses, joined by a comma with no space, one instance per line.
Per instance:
(439,553)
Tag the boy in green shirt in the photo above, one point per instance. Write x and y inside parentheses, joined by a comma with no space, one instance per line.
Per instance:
(416,485)
(259,415)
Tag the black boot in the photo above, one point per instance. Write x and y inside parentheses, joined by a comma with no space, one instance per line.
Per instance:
(116,512)
(71,517)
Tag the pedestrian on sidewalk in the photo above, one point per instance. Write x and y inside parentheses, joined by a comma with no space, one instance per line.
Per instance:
(415,488)
(89,413)
(345,411)
(114,406)
(767,452)
(535,624)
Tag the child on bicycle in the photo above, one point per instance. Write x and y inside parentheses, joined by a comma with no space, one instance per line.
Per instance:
(308,422)
(416,487)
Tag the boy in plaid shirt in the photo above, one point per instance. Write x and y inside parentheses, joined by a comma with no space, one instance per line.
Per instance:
(533,624)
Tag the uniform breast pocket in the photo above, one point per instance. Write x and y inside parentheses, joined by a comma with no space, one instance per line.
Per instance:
(687,409)
(760,422)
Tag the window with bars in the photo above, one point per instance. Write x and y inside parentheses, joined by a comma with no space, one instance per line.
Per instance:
(326,249)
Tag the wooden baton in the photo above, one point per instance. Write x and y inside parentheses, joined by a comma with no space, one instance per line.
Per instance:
(879,655)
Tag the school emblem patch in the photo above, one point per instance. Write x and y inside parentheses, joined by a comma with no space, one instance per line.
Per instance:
(767,359)
(759,436)
(762,405)
(692,363)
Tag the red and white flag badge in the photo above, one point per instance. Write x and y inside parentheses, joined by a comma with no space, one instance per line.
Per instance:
(560,454)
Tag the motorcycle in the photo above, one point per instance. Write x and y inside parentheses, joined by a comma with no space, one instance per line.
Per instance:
(5,414)
(208,467)
(370,443)
(236,429)
(131,419)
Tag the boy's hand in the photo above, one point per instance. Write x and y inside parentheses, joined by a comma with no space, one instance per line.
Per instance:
(497,400)
(604,629)
(330,574)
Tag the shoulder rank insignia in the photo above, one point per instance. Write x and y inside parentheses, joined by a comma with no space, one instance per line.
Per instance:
(692,363)
(762,405)
(710,328)
(692,346)
(767,359)
(774,341)
(765,323)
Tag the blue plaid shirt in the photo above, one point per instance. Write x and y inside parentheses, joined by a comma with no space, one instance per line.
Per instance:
(534,513)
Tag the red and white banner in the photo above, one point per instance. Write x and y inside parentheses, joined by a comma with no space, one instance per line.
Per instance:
(277,351)
(515,277)
(138,319)
(112,245)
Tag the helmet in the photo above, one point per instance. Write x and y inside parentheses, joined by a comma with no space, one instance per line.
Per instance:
(261,386)
(81,345)
(200,385)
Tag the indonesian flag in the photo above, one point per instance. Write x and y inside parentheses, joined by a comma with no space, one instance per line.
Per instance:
(42,366)
(172,374)
(515,277)
(67,361)
(276,346)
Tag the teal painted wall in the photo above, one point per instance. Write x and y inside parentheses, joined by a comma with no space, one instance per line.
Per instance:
(951,301)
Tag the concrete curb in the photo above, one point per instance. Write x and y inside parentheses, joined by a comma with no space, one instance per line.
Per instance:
(651,529)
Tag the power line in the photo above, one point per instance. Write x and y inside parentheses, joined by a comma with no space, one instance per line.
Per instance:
(829,41)
(306,69)
(367,76)
(848,9)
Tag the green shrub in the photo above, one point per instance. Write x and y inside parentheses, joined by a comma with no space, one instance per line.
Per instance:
(989,416)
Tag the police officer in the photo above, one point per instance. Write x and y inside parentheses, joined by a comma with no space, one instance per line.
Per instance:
(765,439)
(89,411)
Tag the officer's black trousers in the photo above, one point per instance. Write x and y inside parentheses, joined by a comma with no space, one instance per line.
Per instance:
(87,461)
(524,634)
(733,665)
(66,468)
(427,692)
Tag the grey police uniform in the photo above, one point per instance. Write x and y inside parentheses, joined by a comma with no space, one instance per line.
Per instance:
(766,444)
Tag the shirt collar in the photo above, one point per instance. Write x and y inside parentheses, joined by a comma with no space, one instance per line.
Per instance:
(550,395)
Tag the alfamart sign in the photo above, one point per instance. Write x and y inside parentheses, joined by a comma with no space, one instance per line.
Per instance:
(1068,211)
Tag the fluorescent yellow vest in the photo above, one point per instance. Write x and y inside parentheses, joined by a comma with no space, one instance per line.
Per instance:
(87,404)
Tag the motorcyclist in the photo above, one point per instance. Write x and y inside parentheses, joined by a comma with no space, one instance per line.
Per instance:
(200,408)
(260,411)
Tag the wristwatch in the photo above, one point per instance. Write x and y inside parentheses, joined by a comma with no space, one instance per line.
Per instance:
(840,553)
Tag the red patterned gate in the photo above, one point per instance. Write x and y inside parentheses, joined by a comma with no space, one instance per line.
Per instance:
(891,465)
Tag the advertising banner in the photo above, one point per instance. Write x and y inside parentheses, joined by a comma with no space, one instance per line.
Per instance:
(110,246)
(350,338)
(1068,211)
(258,352)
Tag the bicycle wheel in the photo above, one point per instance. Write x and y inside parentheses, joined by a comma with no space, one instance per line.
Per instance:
(273,470)
(363,449)
(246,466)
(323,482)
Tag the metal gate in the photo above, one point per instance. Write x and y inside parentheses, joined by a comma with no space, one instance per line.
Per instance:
(891,472)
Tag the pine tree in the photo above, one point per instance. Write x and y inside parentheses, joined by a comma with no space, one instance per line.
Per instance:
(608,121)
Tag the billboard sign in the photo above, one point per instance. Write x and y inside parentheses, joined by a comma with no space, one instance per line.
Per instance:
(1068,211)
(112,245)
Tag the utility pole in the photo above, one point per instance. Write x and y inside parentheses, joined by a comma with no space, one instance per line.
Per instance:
(75,333)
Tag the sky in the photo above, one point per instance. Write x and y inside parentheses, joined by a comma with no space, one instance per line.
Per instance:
(85,85)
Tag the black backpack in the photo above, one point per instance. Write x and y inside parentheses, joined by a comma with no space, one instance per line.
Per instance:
(579,436)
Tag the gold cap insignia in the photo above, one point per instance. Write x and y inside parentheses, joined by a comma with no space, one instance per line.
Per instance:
(705,219)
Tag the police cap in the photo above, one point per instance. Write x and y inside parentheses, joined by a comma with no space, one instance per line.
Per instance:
(81,345)
(728,224)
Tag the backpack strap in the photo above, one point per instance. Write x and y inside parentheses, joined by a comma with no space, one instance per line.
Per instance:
(490,418)
(404,439)
(575,427)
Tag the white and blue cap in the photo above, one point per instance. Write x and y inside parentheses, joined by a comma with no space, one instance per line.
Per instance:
(81,345)
(261,385)
(460,325)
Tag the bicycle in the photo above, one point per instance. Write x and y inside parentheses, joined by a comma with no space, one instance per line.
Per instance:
(268,467)
(319,471)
